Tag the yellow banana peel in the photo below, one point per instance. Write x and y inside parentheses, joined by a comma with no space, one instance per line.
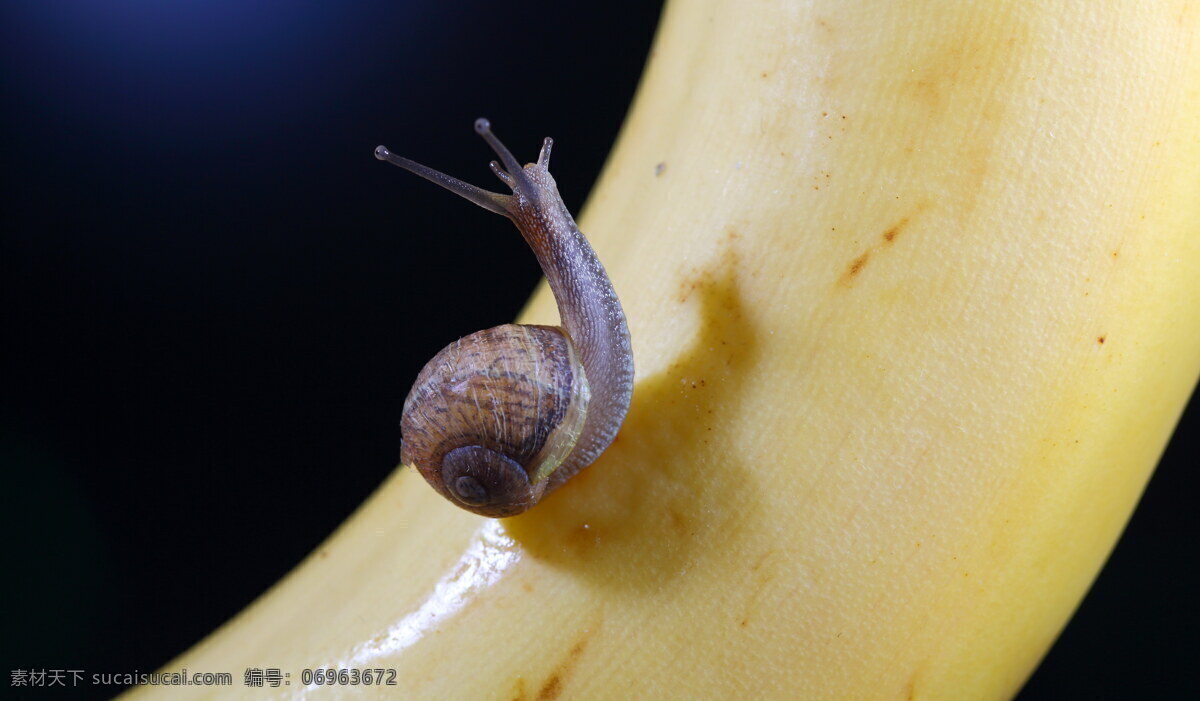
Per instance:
(914,291)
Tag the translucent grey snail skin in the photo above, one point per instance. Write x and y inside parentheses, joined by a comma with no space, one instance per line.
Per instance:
(500,418)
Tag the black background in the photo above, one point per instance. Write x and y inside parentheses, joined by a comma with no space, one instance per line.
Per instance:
(215,298)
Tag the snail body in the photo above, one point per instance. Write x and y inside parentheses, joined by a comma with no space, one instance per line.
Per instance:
(504,416)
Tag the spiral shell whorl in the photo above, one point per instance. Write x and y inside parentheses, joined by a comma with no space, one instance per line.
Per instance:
(493,414)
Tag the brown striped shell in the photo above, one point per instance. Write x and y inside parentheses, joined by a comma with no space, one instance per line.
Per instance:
(493,414)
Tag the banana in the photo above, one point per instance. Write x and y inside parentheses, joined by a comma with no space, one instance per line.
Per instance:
(914,300)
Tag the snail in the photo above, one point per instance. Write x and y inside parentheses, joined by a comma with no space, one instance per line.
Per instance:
(499,419)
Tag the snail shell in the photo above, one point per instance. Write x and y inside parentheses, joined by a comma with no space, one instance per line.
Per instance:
(493,414)
(500,418)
